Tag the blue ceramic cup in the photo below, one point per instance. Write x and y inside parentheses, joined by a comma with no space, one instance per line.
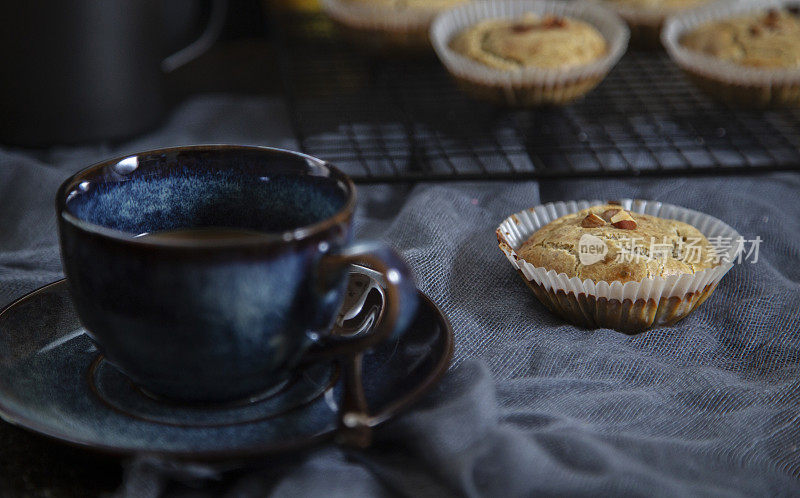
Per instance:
(221,317)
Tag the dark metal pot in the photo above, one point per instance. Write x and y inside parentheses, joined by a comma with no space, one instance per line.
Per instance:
(82,70)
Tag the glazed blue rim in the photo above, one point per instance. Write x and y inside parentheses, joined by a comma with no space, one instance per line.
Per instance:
(343,215)
(290,446)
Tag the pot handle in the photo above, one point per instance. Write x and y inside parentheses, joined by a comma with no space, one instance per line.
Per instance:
(216,21)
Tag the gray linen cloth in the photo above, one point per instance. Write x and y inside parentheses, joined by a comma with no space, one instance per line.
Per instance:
(532,405)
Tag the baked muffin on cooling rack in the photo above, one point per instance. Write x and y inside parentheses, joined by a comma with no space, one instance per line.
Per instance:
(646,17)
(528,53)
(387,25)
(763,39)
(745,53)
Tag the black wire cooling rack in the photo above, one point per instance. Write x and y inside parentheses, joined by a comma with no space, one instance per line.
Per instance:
(385,119)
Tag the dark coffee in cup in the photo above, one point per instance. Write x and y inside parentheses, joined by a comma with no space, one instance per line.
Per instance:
(206,233)
(208,273)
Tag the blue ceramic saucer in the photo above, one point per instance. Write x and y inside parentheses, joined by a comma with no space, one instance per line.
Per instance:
(53,381)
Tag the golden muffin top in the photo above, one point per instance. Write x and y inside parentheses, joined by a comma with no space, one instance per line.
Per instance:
(531,41)
(768,39)
(608,243)
(659,4)
(410,4)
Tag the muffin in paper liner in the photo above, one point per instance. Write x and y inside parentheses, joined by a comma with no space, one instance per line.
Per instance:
(725,80)
(646,22)
(628,307)
(380,28)
(528,86)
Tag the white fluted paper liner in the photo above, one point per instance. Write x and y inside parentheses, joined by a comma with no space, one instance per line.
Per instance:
(517,228)
(451,22)
(374,16)
(713,67)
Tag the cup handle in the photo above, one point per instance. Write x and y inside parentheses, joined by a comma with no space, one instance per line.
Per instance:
(399,307)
